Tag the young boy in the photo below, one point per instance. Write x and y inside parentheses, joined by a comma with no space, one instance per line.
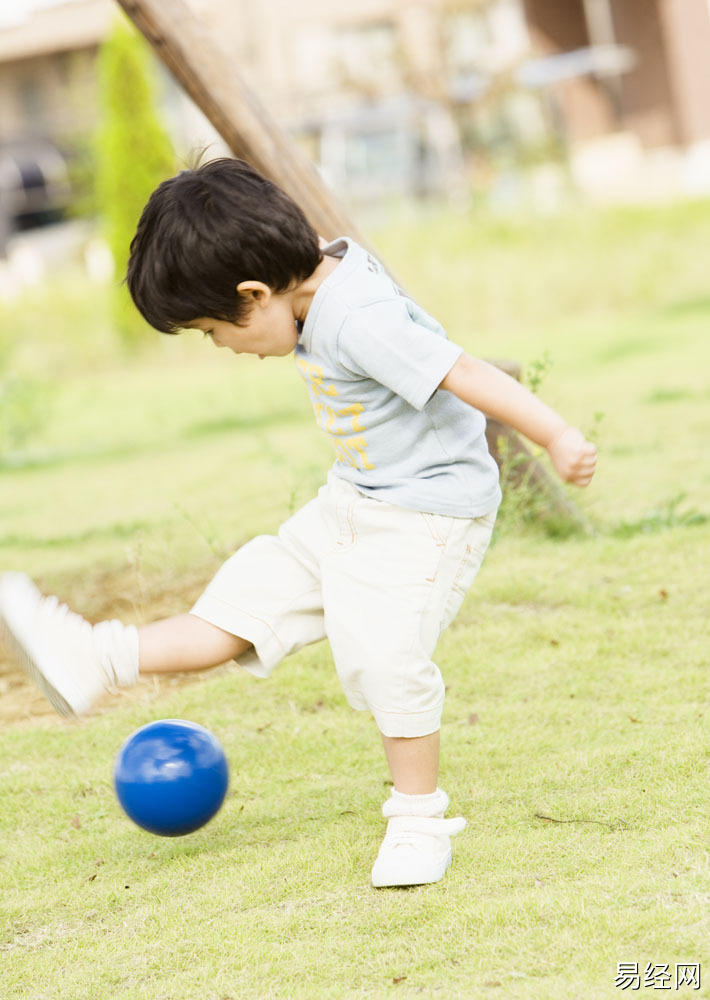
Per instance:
(379,562)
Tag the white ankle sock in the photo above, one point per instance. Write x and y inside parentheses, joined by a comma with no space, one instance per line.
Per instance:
(400,804)
(116,646)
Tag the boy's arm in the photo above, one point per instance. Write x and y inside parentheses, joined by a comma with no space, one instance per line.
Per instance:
(487,388)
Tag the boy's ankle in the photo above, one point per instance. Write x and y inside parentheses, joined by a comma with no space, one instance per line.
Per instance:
(116,648)
(402,804)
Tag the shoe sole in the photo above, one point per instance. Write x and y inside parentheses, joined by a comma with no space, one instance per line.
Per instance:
(29,664)
(402,882)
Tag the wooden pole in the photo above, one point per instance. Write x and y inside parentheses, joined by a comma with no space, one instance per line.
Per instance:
(207,73)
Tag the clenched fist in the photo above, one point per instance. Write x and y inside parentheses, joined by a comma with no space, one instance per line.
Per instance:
(573,457)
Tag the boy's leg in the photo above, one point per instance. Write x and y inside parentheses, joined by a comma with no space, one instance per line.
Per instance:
(185,643)
(268,591)
(413,762)
(387,596)
(75,662)
(417,846)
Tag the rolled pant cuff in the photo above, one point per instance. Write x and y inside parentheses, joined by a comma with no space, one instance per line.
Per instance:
(409,725)
(267,652)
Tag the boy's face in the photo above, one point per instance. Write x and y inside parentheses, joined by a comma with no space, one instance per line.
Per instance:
(268,331)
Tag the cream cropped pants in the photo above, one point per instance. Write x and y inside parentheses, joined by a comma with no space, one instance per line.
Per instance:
(380,582)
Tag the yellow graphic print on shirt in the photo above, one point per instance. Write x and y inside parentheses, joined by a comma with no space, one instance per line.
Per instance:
(350,448)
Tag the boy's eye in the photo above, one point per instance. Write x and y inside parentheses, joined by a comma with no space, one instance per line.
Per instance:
(207,333)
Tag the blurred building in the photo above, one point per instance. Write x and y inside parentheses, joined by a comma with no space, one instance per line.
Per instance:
(637,122)
(47,104)
(394,95)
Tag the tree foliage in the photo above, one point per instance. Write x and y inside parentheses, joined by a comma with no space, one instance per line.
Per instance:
(134,154)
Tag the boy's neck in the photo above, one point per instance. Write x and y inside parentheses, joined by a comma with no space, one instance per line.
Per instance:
(303,293)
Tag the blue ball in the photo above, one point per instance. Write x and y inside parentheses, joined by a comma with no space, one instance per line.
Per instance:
(171,777)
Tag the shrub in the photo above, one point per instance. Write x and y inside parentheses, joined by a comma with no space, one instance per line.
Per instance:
(134,154)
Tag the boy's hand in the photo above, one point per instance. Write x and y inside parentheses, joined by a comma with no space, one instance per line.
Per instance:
(499,396)
(573,457)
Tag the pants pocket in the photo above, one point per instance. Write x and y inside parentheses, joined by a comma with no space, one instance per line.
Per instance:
(474,546)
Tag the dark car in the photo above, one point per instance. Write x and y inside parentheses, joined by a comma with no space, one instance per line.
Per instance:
(34,185)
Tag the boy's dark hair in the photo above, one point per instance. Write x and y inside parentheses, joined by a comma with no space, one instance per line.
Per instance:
(206,230)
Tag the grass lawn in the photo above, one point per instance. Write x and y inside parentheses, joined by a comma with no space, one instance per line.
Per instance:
(575,735)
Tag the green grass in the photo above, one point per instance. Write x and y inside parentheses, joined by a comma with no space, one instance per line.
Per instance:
(576,727)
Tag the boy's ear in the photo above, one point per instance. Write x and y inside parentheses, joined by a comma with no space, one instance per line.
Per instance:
(257,291)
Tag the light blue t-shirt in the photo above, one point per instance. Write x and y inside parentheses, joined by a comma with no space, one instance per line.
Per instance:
(372,360)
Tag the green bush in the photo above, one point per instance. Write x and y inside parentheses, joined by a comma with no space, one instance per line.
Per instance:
(134,154)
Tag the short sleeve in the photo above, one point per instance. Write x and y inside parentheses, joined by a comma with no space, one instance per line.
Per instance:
(400,346)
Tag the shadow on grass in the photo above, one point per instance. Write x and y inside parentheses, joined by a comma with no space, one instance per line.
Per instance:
(669,515)
(21,461)
(686,307)
(118,531)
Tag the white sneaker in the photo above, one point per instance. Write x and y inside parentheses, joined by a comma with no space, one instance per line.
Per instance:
(416,850)
(72,661)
